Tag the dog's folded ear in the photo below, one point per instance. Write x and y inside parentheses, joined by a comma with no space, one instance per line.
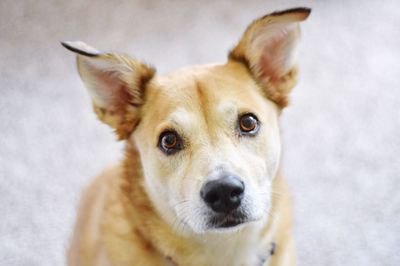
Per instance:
(116,84)
(268,49)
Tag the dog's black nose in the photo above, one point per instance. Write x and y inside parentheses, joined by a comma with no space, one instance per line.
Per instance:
(224,194)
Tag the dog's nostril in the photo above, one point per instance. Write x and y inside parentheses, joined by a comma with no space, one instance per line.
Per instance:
(224,194)
(236,192)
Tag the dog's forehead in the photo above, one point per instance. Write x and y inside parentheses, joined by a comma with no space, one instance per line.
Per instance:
(211,91)
(189,119)
(212,82)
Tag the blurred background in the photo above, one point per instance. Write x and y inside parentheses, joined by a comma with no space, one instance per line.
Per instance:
(341,132)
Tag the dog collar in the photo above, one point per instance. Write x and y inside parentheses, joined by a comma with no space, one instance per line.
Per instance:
(263,258)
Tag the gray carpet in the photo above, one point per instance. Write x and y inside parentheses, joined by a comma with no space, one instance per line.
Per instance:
(341,133)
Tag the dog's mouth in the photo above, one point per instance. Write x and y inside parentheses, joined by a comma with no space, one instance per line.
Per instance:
(228,221)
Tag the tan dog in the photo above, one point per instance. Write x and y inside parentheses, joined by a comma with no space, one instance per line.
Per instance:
(200,181)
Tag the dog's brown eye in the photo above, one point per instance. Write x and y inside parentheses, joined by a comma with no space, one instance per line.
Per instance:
(170,142)
(248,124)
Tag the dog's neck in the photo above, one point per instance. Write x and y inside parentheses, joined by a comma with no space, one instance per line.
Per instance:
(241,247)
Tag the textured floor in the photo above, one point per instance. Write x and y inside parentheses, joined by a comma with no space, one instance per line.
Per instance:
(341,133)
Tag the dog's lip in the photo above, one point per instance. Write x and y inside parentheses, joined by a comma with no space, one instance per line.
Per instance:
(230,223)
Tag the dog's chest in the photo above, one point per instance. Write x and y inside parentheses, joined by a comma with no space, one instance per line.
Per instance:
(255,260)
(235,251)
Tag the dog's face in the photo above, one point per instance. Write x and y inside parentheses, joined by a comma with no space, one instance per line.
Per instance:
(209,145)
(208,136)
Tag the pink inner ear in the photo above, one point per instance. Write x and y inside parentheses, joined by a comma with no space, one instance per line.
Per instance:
(113,91)
(269,63)
(276,52)
(107,89)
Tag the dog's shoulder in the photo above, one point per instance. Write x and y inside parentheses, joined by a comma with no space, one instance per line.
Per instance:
(84,247)
(104,233)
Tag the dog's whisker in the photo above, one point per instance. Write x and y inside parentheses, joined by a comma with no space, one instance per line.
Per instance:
(177,225)
(180,203)
(182,219)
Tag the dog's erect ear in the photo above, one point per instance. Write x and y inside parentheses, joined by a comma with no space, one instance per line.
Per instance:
(115,83)
(267,48)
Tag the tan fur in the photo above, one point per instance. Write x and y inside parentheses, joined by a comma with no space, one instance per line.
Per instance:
(147,210)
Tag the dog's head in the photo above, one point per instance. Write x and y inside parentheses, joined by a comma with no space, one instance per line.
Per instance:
(208,136)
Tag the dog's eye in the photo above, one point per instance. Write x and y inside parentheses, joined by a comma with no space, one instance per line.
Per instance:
(248,124)
(170,142)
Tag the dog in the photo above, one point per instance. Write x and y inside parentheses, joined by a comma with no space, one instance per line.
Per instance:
(200,182)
